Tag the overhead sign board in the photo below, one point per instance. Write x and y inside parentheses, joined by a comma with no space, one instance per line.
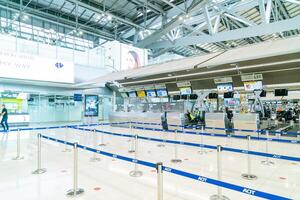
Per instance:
(251,77)
(223,80)
(183,84)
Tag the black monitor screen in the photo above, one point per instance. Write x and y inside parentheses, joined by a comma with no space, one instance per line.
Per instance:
(281,92)
(213,95)
(193,96)
(176,97)
(228,95)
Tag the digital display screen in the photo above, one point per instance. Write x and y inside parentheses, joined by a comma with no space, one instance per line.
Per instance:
(162,92)
(124,94)
(91,105)
(253,85)
(151,93)
(77,97)
(132,94)
(226,87)
(185,90)
(141,93)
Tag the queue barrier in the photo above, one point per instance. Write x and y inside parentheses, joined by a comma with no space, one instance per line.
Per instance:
(218,183)
(242,151)
(224,135)
(217,128)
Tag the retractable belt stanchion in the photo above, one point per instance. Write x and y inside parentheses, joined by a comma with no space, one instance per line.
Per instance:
(18,157)
(131,140)
(161,144)
(219,196)
(39,169)
(102,144)
(159,169)
(136,172)
(66,149)
(202,150)
(176,159)
(75,191)
(95,158)
(267,161)
(249,175)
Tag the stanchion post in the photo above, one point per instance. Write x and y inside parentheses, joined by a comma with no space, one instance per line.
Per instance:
(131,140)
(160,191)
(219,195)
(136,172)
(176,159)
(267,161)
(75,191)
(102,144)
(95,140)
(202,150)
(39,169)
(249,175)
(66,149)
(18,157)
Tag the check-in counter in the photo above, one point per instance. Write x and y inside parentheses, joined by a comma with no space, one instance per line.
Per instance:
(247,121)
(215,120)
(18,119)
(145,117)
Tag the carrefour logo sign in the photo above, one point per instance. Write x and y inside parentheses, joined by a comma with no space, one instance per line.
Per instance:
(59,65)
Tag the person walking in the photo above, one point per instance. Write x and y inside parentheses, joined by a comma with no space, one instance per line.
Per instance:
(4,119)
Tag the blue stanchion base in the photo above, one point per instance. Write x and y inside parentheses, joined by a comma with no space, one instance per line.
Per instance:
(102,145)
(218,197)
(18,158)
(39,171)
(249,176)
(73,192)
(136,173)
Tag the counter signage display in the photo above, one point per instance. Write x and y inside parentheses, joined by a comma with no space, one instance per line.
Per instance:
(162,92)
(124,94)
(77,97)
(226,87)
(151,93)
(132,94)
(91,105)
(185,90)
(141,93)
(252,85)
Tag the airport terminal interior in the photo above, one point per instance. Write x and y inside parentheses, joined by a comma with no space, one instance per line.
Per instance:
(149,99)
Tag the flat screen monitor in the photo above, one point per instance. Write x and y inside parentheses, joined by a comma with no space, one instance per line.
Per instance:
(213,95)
(151,93)
(228,95)
(91,105)
(132,94)
(162,92)
(51,100)
(141,93)
(176,97)
(193,96)
(281,92)
(263,93)
(225,87)
(184,97)
(124,94)
(185,90)
(253,85)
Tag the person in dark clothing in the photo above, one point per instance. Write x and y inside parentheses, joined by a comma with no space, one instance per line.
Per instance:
(4,119)
(229,123)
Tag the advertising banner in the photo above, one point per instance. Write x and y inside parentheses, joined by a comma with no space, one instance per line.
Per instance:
(31,67)
(91,105)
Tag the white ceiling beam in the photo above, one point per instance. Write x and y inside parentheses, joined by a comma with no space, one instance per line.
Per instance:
(207,18)
(252,31)
(216,25)
(268,10)
(294,1)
